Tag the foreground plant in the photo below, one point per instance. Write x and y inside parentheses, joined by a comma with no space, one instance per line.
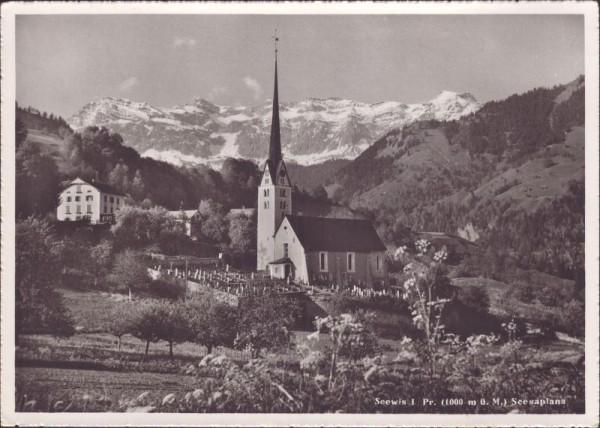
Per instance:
(422,288)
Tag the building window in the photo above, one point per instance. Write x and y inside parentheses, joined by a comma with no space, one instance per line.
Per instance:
(105,211)
(78,211)
(266,205)
(266,192)
(89,209)
(68,209)
(77,198)
(89,198)
(282,204)
(68,199)
(351,265)
(79,188)
(323,261)
(112,199)
(67,218)
(378,263)
(282,193)
(282,180)
(285,250)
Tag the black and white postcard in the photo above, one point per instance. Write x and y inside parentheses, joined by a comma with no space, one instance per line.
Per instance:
(374,214)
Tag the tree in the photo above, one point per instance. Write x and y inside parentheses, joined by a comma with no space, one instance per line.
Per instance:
(121,322)
(242,233)
(130,272)
(137,227)
(173,326)
(119,176)
(265,322)
(101,257)
(319,193)
(214,227)
(39,307)
(240,177)
(138,189)
(20,133)
(211,322)
(146,323)
(37,181)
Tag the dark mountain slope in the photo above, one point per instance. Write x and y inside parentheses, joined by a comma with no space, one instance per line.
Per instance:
(521,158)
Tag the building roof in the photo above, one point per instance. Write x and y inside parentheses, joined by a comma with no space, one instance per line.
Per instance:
(282,261)
(445,239)
(106,188)
(187,213)
(245,211)
(335,234)
(102,187)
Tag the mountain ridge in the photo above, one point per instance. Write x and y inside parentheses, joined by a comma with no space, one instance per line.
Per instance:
(314,130)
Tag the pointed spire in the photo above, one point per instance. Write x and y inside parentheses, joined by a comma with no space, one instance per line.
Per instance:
(275,143)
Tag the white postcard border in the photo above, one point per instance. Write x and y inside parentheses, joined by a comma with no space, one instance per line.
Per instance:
(9,417)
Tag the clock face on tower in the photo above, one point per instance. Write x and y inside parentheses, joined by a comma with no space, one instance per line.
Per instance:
(282,173)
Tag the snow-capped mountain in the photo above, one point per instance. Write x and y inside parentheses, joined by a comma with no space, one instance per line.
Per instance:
(312,131)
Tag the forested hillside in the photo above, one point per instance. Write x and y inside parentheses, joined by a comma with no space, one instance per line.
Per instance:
(46,159)
(509,176)
(49,123)
(312,178)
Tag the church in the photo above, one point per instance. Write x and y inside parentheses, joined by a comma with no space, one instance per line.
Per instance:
(310,249)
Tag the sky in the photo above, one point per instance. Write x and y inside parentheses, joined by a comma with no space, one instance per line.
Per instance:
(65,61)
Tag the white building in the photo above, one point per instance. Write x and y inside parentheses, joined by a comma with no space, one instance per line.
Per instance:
(274,193)
(97,201)
(310,249)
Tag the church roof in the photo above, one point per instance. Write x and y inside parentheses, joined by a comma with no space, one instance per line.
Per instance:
(275,141)
(335,234)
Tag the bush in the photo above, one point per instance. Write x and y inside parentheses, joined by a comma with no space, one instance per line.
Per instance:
(79,280)
(524,292)
(211,322)
(476,298)
(167,288)
(130,272)
(39,307)
(571,318)
(265,322)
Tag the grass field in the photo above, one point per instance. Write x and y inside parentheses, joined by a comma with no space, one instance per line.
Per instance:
(91,390)
(86,372)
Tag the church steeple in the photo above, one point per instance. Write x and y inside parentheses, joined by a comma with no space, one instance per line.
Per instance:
(274,191)
(275,143)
